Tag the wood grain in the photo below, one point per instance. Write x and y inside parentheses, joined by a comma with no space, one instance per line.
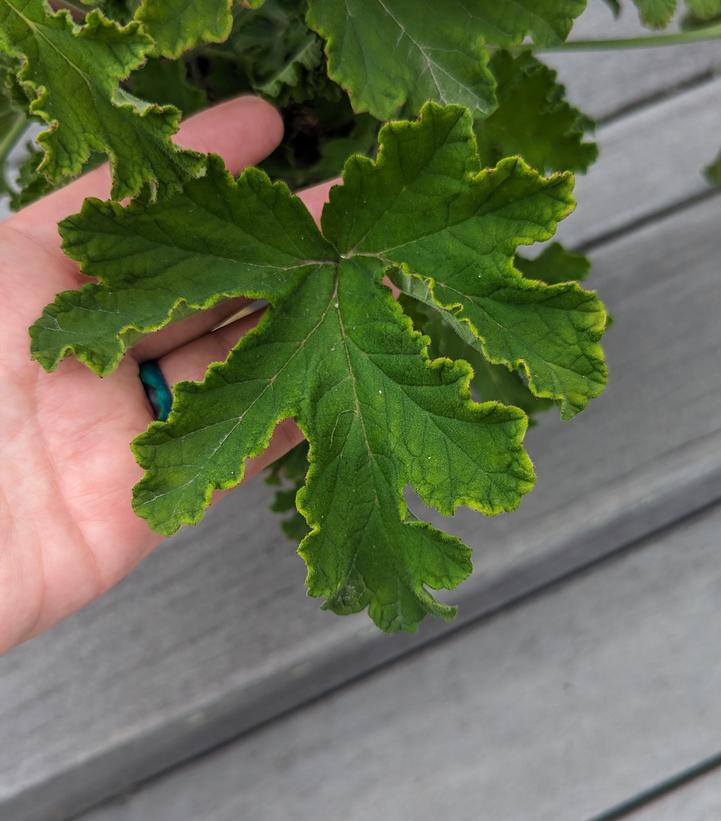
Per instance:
(550,711)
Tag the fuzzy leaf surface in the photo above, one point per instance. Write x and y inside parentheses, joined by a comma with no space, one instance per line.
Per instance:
(391,53)
(71,76)
(334,351)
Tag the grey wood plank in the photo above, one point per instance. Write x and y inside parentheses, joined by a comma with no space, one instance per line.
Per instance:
(700,800)
(550,711)
(606,83)
(650,162)
(213,634)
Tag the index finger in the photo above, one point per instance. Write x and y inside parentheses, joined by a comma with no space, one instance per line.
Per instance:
(243,131)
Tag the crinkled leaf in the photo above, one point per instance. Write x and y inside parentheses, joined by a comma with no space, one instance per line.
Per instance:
(533,119)
(335,352)
(179,25)
(431,210)
(391,53)
(71,75)
(242,237)
(454,338)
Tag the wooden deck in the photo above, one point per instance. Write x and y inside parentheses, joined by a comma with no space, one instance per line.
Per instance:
(582,678)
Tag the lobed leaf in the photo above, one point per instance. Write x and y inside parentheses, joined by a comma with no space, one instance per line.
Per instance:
(71,75)
(243,236)
(336,353)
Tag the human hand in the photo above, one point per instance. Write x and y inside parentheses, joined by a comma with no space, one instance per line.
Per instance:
(67,530)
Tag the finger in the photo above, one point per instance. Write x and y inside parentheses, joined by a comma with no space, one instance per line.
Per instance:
(190,361)
(316,197)
(157,345)
(243,131)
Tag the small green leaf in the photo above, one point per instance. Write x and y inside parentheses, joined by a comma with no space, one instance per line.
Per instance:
(555,264)
(533,119)
(656,13)
(71,75)
(335,352)
(713,171)
(179,25)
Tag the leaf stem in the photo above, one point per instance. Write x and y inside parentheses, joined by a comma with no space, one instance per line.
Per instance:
(646,41)
(11,136)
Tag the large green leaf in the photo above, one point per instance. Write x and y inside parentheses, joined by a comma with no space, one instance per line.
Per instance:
(71,75)
(533,119)
(391,53)
(335,351)
(178,25)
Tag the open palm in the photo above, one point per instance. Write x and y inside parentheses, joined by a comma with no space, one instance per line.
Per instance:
(67,530)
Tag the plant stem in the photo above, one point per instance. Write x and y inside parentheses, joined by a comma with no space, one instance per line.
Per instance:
(646,41)
(12,135)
